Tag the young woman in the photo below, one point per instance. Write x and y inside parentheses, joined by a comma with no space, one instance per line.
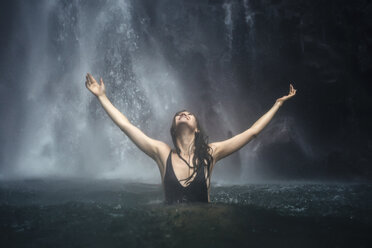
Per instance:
(186,169)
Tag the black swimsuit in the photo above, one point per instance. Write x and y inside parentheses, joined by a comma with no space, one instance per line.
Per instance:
(196,191)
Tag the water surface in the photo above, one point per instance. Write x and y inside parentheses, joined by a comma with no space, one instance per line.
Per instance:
(113,213)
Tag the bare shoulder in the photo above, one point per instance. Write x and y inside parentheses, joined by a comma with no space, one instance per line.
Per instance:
(163,149)
(162,152)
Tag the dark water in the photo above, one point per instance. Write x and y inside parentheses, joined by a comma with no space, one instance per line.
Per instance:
(70,213)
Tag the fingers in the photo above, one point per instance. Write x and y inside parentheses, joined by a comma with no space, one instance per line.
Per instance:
(87,82)
(91,83)
(91,78)
(292,90)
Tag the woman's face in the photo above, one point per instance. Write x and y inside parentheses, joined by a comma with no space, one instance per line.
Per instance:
(186,117)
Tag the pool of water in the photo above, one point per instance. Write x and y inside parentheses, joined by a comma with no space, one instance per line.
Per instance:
(113,213)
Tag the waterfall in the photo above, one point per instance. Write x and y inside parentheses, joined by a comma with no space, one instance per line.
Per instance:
(229,23)
(66,132)
(155,57)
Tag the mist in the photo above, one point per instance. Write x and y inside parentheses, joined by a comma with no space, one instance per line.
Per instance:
(226,61)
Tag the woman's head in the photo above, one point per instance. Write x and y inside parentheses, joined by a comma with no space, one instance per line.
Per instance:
(186,119)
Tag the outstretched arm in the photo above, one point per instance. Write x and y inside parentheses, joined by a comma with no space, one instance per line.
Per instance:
(146,144)
(224,148)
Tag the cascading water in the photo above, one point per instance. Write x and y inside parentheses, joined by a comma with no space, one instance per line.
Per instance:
(155,59)
(66,133)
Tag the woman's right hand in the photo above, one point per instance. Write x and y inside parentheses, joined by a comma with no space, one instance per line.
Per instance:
(94,87)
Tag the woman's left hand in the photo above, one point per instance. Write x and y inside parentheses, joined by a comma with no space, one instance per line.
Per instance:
(292,92)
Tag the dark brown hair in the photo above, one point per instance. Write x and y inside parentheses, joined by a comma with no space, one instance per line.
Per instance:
(201,147)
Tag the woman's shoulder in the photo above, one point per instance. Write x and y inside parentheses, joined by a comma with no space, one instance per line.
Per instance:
(164,148)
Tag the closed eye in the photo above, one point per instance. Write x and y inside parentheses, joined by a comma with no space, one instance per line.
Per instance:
(186,114)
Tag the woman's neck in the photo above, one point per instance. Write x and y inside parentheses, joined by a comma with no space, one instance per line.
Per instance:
(185,142)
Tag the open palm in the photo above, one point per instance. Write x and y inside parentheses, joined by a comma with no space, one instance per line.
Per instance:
(93,86)
(292,92)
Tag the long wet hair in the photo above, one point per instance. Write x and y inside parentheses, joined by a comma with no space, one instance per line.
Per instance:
(202,148)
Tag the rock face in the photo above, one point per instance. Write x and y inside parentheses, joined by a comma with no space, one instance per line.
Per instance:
(227,59)
(324,47)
